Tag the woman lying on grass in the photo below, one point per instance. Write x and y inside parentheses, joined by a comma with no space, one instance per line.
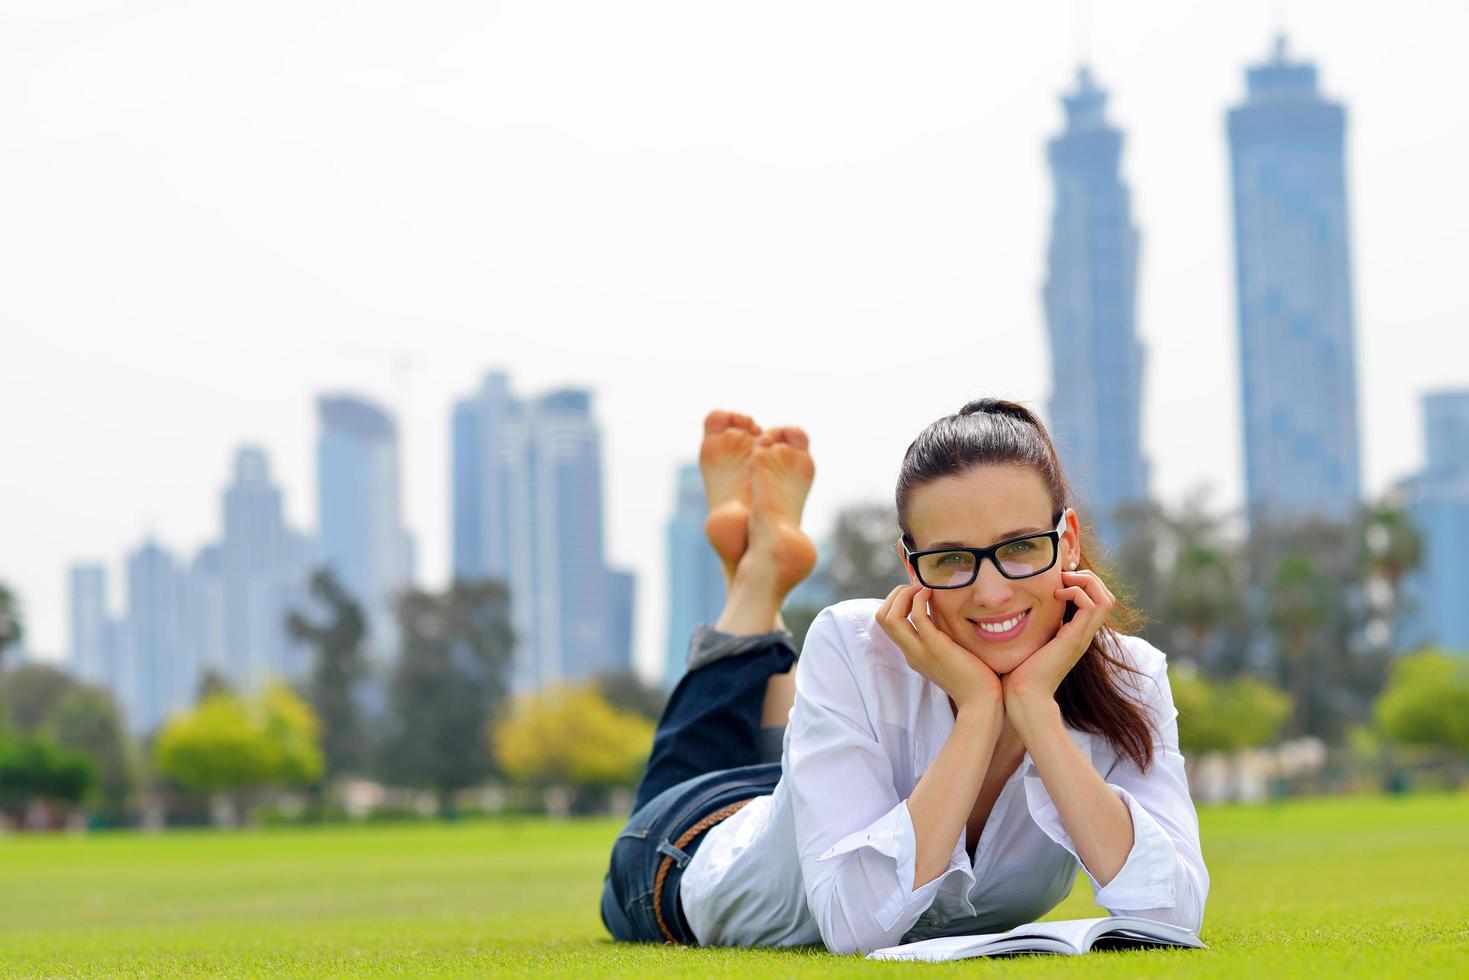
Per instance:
(953,752)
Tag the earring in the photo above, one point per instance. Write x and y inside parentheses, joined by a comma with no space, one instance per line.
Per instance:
(1073,566)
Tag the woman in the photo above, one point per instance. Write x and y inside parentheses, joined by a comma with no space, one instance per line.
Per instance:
(954,751)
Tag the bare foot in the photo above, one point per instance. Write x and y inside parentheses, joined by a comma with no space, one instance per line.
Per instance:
(782,471)
(724,459)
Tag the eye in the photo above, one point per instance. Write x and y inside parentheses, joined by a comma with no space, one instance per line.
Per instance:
(1021,547)
(953,557)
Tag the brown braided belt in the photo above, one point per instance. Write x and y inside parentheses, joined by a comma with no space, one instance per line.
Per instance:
(681,843)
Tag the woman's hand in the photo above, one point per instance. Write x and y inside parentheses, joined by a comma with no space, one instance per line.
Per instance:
(933,653)
(1036,679)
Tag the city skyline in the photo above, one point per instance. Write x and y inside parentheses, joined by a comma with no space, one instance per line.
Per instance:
(1094,410)
(351,257)
(1294,294)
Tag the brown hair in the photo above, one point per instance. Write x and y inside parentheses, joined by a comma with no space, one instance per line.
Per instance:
(994,431)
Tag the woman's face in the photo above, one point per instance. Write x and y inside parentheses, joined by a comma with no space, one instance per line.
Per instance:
(975,509)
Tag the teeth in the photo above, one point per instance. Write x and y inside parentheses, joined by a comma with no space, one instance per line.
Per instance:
(1004,627)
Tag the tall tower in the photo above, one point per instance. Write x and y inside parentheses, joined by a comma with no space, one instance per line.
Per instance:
(361,529)
(1438,501)
(695,579)
(527,501)
(262,572)
(1090,297)
(1294,295)
(159,666)
(88,632)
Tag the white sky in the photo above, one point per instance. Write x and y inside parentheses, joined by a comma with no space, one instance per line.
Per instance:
(828,214)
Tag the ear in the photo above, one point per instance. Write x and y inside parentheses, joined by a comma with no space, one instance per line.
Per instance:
(907,568)
(1071,538)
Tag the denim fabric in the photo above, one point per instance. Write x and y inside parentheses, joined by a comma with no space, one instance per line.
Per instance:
(707,754)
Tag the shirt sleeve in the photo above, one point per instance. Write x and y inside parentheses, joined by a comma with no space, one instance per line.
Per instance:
(1164,877)
(854,833)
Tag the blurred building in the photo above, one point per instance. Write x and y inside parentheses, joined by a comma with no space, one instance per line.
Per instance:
(1095,409)
(158,664)
(89,626)
(252,579)
(695,576)
(528,504)
(622,594)
(1438,502)
(361,533)
(1294,295)
(224,610)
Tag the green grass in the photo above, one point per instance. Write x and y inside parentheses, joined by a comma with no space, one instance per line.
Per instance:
(1320,888)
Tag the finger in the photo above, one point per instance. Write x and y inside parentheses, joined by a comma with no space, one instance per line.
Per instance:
(1092,583)
(887,604)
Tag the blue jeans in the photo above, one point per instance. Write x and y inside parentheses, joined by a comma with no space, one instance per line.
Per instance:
(708,751)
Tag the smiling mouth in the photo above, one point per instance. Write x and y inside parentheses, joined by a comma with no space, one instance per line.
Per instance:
(1001,629)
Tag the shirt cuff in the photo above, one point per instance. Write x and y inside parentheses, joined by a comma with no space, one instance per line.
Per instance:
(1147,879)
(892,836)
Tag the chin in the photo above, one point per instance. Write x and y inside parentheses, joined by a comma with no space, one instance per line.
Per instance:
(1004,661)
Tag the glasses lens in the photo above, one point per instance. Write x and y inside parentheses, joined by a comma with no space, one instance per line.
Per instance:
(946,569)
(1028,556)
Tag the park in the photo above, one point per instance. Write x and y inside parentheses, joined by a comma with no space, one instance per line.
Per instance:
(1341,887)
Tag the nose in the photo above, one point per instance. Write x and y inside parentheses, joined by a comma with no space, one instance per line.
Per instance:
(989,587)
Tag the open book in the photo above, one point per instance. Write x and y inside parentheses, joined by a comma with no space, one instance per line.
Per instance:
(1069,936)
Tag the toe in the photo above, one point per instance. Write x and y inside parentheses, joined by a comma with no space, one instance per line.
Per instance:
(716,421)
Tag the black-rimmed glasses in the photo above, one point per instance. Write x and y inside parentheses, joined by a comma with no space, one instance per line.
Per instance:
(955,568)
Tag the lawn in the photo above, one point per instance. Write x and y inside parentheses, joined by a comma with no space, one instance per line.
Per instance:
(1329,887)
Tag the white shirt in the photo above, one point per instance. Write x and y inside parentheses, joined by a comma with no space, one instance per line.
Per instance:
(828,857)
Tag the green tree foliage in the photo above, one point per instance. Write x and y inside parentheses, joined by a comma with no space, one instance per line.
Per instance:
(624,689)
(865,561)
(449,682)
(52,705)
(87,720)
(572,735)
(860,559)
(1427,702)
(1226,715)
(338,672)
(33,768)
(226,744)
(32,690)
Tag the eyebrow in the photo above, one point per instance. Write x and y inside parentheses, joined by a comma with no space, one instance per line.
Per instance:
(1017,533)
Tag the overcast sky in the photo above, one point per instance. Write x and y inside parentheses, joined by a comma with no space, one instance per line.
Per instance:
(828,214)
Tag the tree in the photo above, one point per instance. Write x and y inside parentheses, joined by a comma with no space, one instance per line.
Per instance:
(625,689)
(1221,716)
(572,735)
(212,682)
(449,682)
(1426,702)
(35,770)
(87,720)
(32,691)
(337,674)
(865,561)
(230,746)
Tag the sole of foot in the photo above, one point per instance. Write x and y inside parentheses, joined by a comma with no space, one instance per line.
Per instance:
(781,475)
(725,458)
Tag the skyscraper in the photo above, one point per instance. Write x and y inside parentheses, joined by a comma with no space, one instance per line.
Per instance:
(262,568)
(160,666)
(1438,502)
(89,634)
(527,498)
(1090,298)
(695,578)
(1294,295)
(358,512)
